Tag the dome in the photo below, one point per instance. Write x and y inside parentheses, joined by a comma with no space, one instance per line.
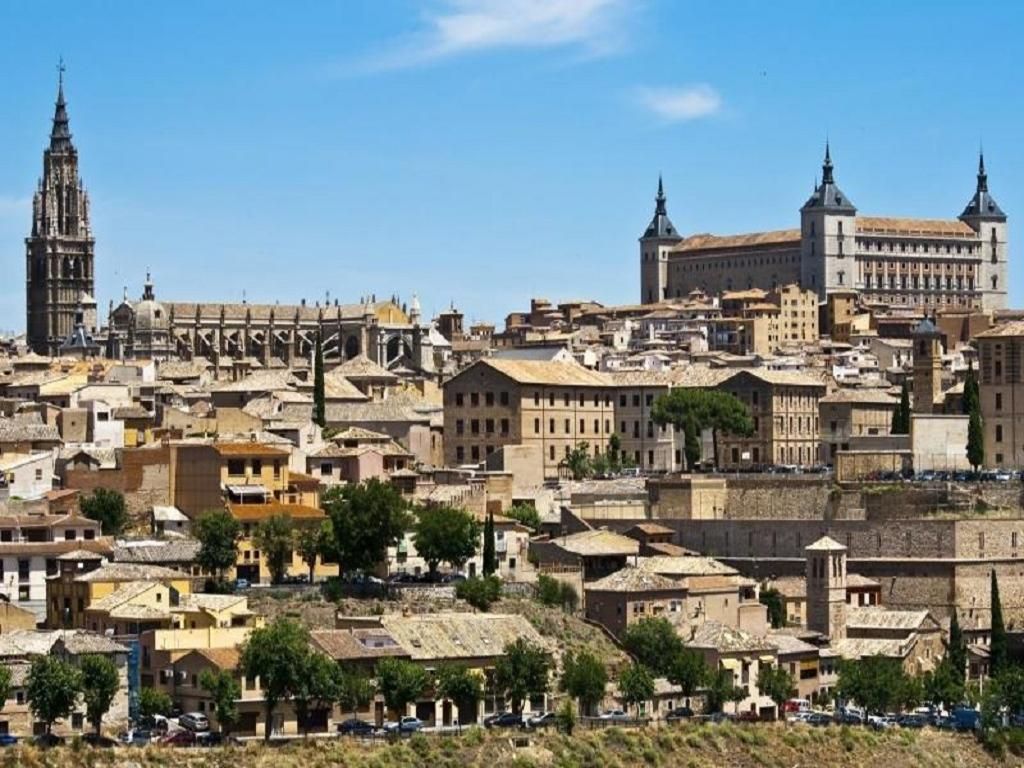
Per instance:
(150,315)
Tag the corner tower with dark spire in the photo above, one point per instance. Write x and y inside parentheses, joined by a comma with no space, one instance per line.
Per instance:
(60,249)
(655,243)
(827,236)
(985,217)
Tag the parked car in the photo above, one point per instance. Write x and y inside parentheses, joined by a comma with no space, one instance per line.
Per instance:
(98,740)
(194,721)
(504,720)
(680,713)
(819,719)
(912,720)
(849,716)
(543,720)
(180,738)
(355,727)
(47,740)
(156,723)
(966,718)
(615,715)
(8,740)
(407,724)
(798,717)
(211,739)
(882,722)
(945,723)
(242,584)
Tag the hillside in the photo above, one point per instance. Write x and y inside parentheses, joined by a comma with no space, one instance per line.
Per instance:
(706,746)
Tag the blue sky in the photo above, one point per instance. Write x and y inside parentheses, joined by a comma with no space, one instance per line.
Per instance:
(486,151)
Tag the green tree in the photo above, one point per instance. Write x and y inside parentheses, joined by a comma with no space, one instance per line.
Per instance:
(772,598)
(972,397)
(1009,688)
(720,689)
(694,410)
(5,685)
(463,686)
(52,688)
(224,690)
(943,685)
(107,508)
(319,397)
(355,691)
(687,669)
(877,683)
(100,683)
(578,462)
(490,554)
(400,682)
(521,672)
(956,650)
(317,687)
(614,452)
(584,678)
(654,643)
(901,413)
(776,683)
(567,717)
(600,466)
(998,649)
(636,684)
(217,532)
(480,592)
(526,514)
(445,535)
(367,518)
(153,701)
(309,543)
(276,655)
(975,440)
(275,537)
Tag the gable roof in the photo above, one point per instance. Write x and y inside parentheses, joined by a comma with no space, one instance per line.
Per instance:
(545,372)
(459,635)
(634,580)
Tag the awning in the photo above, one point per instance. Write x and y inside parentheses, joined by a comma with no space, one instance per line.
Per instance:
(734,665)
(248,490)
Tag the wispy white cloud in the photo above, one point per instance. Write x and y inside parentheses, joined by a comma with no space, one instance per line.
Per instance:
(466,26)
(680,104)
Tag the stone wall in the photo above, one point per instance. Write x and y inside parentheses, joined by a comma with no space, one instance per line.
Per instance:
(142,475)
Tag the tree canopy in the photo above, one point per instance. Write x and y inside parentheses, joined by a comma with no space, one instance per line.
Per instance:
(776,683)
(217,532)
(720,689)
(901,413)
(317,687)
(319,396)
(52,688)
(276,654)
(636,684)
(877,683)
(400,682)
(654,643)
(694,410)
(313,542)
(521,672)
(225,692)
(274,537)
(5,685)
(578,461)
(525,514)
(480,592)
(687,669)
(355,691)
(153,701)
(100,682)
(463,686)
(998,653)
(490,554)
(445,535)
(107,508)
(584,677)
(367,518)
(956,650)
(772,599)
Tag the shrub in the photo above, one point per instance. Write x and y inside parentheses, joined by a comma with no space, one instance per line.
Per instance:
(481,593)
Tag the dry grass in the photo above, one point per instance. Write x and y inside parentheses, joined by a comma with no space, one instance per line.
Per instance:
(692,746)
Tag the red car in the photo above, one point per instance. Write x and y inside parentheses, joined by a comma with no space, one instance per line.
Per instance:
(179,739)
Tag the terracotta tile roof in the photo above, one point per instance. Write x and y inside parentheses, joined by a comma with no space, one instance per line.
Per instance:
(221,658)
(876,617)
(1012,328)
(348,644)
(597,543)
(249,449)
(546,372)
(634,580)
(707,242)
(102,546)
(858,395)
(685,566)
(871,225)
(362,368)
(258,512)
(727,639)
(459,635)
(129,572)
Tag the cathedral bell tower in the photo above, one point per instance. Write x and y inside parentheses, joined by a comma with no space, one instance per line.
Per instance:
(657,240)
(59,251)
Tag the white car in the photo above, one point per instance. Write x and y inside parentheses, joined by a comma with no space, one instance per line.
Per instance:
(617,715)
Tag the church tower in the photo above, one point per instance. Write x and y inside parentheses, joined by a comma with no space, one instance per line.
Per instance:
(657,240)
(927,367)
(985,217)
(826,588)
(59,252)
(828,236)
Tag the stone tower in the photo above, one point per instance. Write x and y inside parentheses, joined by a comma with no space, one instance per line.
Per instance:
(828,236)
(927,367)
(59,252)
(826,588)
(657,240)
(985,217)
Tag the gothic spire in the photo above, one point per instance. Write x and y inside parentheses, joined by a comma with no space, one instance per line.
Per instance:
(982,205)
(60,135)
(661,226)
(982,176)
(826,167)
(827,194)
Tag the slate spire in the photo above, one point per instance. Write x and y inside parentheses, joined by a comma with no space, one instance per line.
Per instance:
(60,135)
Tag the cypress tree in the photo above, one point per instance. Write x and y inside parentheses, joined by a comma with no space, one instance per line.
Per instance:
(319,399)
(490,557)
(971,396)
(957,651)
(998,648)
(975,440)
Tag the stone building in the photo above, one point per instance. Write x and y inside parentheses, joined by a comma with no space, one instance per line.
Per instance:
(1001,387)
(849,413)
(925,264)
(60,248)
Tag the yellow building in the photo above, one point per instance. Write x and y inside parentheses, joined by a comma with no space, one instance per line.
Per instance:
(71,593)
(251,565)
